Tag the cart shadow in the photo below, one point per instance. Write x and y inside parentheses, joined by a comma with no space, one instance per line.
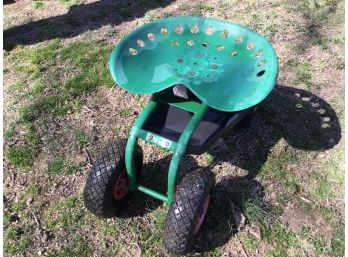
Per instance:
(154,176)
(79,19)
(302,119)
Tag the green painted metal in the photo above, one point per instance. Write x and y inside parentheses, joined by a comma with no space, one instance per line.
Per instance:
(178,149)
(181,149)
(131,143)
(152,193)
(155,139)
(169,98)
(227,66)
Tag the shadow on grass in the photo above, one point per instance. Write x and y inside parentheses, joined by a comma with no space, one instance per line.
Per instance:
(79,19)
(154,175)
(8,2)
(304,120)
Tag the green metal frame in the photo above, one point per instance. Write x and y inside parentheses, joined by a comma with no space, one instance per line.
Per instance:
(178,148)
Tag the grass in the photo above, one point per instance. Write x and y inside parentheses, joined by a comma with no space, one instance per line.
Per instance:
(251,243)
(64,214)
(37,4)
(209,158)
(81,138)
(124,113)
(84,60)
(17,240)
(281,237)
(77,247)
(255,212)
(22,156)
(69,3)
(30,192)
(58,99)
(303,74)
(59,166)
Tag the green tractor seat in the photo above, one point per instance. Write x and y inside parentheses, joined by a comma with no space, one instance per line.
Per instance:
(227,66)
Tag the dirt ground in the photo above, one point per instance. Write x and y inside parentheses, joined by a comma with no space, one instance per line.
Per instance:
(284,173)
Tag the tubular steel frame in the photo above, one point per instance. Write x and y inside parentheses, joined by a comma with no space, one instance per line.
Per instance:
(178,148)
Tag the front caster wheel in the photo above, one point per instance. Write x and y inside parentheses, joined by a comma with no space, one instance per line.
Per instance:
(106,187)
(187,213)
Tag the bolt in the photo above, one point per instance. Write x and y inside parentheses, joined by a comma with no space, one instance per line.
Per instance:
(150,137)
(166,143)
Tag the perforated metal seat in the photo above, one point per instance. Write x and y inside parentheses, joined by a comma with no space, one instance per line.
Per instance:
(227,66)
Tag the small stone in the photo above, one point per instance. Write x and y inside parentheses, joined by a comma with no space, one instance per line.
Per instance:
(239,217)
(44,238)
(29,201)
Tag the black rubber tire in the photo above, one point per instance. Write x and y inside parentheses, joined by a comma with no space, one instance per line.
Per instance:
(183,215)
(99,188)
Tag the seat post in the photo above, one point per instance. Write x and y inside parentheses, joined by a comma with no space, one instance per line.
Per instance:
(181,149)
(178,148)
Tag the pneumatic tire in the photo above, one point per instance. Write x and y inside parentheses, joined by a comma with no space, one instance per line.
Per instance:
(188,211)
(106,188)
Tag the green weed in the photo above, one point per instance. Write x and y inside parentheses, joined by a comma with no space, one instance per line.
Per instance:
(66,214)
(60,166)
(81,138)
(77,247)
(9,133)
(22,156)
(124,113)
(37,4)
(337,242)
(251,243)
(69,3)
(254,210)
(281,238)
(17,240)
(56,166)
(32,191)
(204,7)
(319,246)
(209,158)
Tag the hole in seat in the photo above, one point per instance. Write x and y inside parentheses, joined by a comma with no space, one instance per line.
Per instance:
(258,54)
(194,29)
(140,43)
(151,36)
(251,45)
(190,43)
(205,44)
(179,29)
(209,31)
(224,34)
(260,73)
(174,43)
(238,39)
(133,51)
(164,32)
(260,63)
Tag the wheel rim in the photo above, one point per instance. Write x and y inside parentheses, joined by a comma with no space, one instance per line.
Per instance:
(202,214)
(121,186)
